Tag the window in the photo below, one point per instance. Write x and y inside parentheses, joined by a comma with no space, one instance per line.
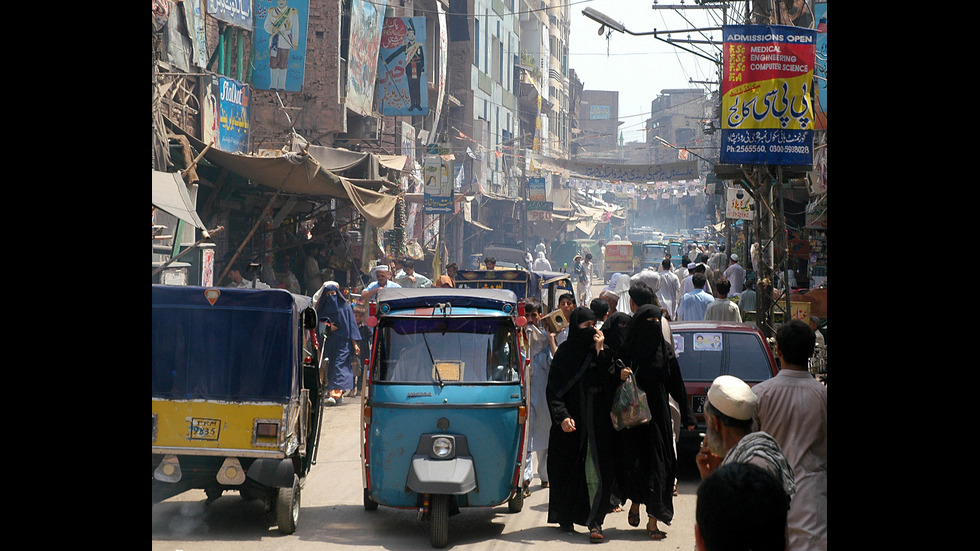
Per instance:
(456,350)
(476,42)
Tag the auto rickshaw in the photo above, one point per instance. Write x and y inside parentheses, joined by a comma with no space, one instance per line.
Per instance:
(445,407)
(237,395)
(545,286)
(619,258)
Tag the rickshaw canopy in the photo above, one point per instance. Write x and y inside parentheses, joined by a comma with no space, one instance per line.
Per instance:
(226,344)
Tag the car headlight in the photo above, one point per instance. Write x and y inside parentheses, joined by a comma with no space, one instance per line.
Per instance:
(442,447)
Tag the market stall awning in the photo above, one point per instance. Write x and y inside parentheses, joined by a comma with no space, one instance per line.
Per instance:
(339,160)
(170,195)
(302,174)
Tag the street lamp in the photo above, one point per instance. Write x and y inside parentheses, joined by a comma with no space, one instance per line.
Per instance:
(605,21)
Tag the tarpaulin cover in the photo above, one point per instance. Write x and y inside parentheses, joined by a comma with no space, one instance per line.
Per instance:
(304,175)
(170,195)
(246,346)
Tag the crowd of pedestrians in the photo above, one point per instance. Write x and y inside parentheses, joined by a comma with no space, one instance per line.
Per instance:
(773,436)
(766,446)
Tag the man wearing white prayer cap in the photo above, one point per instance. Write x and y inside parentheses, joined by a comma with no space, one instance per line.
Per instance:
(383,281)
(728,413)
(736,275)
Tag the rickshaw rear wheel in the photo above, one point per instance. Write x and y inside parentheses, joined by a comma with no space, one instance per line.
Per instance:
(287,507)
(516,503)
(439,519)
(369,504)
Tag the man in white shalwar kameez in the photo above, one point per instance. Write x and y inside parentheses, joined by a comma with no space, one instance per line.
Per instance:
(792,407)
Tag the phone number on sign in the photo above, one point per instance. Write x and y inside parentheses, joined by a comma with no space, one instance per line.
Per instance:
(801,149)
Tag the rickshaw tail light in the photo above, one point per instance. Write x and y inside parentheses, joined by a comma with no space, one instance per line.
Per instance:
(267,430)
(367,414)
(521,414)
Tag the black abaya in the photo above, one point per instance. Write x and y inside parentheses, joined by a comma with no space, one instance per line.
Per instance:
(580,386)
(646,464)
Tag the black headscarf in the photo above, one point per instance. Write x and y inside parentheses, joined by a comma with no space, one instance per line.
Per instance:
(614,331)
(569,360)
(644,337)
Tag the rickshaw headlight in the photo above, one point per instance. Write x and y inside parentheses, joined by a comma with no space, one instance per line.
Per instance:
(442,447)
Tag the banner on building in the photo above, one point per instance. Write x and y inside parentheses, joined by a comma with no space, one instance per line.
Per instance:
(437,175)
(226,114)
(766,113)
(279,52)
(820,71)
(402,79)
(237,13)
(362,64)
(665,172)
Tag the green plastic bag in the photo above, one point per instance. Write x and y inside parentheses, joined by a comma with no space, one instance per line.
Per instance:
(630,407)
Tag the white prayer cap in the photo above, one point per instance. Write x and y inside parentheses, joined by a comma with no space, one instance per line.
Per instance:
(692,265)
(381,268)
(733,397)
(735,257)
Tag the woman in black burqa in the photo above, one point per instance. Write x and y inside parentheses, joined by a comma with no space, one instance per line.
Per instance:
(580,463)
(645,460)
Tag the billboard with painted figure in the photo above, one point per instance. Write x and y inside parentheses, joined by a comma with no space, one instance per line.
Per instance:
(402,77)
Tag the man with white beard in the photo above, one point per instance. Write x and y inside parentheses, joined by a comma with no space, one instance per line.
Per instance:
(728,414)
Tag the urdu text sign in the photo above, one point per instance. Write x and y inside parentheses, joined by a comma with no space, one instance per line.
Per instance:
(767,112)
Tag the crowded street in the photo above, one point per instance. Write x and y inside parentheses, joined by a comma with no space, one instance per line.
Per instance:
(486,274)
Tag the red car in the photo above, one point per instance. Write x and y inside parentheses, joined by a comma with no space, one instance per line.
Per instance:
(707,349)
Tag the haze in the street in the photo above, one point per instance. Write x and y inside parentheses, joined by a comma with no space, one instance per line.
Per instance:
(639,67)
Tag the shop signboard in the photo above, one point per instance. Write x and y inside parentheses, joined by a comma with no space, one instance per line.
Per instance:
(767,116)
(227,114)
(237,13)
(437,175)
(739,205)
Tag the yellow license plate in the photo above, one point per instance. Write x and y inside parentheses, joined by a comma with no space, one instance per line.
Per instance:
(204,429)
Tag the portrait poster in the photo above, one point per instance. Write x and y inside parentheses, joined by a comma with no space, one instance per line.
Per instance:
(279,44)
(237,13)
(402,78)
(362,65)
(437,176)
(767,114)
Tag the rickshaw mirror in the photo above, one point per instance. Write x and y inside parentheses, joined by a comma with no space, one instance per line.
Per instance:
(521,321)
(309,318)
(372,321)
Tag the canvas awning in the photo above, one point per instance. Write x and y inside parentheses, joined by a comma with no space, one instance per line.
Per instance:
(170,195)
(342,160)
(302,174)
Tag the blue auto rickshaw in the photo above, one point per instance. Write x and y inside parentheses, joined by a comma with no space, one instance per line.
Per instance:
(445,407)
(237,392)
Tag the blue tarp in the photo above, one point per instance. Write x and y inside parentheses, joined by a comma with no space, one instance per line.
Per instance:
(245,346)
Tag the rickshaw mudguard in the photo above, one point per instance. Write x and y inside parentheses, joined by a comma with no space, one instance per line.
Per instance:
(275,473)
(453,476)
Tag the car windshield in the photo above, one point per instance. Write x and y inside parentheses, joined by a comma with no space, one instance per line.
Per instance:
(446,350)
(704,355)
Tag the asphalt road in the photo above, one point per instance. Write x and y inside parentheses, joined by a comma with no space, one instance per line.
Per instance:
(332,514)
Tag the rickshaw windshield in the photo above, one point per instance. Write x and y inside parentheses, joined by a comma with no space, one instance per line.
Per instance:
(446,350)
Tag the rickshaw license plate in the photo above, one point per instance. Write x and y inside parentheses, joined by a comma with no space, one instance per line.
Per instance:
(204,429)
(697,403)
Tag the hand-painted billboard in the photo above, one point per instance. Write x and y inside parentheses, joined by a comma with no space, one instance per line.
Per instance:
(767,112)
(280,44)
(362,65)
(402,79)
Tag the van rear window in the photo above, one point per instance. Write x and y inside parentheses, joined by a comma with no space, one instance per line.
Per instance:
(702,357)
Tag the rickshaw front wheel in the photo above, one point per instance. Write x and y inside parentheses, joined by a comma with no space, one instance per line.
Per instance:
(439,519)
(287,507)
(369,504)
(516,503)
